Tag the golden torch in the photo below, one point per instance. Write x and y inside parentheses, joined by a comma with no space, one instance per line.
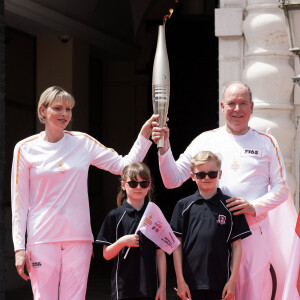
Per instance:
(161,79)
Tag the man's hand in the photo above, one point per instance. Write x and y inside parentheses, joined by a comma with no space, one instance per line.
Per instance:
(239,206)
(159,133)
(21,259)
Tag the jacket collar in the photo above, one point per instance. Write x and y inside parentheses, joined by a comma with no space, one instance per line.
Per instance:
(215,200)
(130,209)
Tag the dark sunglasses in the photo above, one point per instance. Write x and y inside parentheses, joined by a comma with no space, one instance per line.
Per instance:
(210,174)
(143,184)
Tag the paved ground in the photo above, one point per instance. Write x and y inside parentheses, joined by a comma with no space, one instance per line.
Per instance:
(98,284)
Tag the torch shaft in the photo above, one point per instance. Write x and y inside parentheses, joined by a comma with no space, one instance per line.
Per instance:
(161,81)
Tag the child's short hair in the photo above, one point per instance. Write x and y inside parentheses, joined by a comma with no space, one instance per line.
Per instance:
(204,157)
(132,171)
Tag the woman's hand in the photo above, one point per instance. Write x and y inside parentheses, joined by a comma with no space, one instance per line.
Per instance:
(21,259)
(146,129)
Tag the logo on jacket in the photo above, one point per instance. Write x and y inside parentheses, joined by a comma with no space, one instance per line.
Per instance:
(221,220)
(251,152)
(61,167)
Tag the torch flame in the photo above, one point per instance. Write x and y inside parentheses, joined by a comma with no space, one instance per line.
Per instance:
(171,10)
(166,17)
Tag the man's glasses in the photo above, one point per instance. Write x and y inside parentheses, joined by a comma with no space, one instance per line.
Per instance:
(143,184)
(210,174)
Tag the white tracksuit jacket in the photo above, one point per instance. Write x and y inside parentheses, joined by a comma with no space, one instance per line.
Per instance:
(251,163)
(49,185)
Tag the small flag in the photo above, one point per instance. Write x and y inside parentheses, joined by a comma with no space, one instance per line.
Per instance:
(156,228)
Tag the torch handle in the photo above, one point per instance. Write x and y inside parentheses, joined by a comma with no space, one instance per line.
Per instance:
(160,143)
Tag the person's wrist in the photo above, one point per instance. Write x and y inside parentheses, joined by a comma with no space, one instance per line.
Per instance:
(164,149)
(163,285)
(232,280)
(122,241)
(145,134)
(19,250)
(180,281)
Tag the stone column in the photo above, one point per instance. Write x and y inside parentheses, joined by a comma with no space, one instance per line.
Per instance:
(268,71)
(297,138)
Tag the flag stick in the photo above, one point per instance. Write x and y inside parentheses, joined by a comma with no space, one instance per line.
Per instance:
(176,291)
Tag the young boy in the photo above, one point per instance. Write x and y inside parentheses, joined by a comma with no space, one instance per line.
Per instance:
(210,236)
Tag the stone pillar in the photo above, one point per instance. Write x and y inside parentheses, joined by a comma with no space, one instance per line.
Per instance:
(297,138)
(268,72)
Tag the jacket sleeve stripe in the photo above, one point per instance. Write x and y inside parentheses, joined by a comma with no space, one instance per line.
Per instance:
(87,136)
(279,162)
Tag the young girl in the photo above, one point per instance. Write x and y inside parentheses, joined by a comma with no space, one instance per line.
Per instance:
(136,276)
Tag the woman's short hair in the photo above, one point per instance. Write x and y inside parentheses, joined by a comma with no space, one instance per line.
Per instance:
(51,94)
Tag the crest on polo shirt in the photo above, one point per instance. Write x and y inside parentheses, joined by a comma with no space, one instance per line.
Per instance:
(221,220)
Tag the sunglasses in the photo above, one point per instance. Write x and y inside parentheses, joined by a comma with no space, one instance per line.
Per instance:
(143,184)
(210,174)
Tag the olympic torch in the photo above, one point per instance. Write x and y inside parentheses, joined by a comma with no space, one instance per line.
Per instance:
(161,81)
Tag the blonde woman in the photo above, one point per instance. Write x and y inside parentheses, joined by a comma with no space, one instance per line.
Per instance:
(50,198)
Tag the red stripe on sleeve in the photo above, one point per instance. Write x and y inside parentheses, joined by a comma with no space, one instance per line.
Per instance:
(298,226)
